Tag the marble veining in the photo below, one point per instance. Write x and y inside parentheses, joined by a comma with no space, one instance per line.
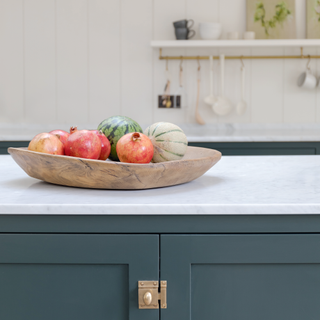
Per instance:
(236,185)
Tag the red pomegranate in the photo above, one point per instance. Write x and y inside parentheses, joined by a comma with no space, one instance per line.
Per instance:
(62,135)
(105,145)
(46,143)
(83,144)
(135,148)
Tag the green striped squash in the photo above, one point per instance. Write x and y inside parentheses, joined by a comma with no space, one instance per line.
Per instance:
(169,141)
(114,128)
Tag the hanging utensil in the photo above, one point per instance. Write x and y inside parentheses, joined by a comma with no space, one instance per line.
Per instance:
(180,95)
(166,96)
(198,117)
(242,105)
(222,106)
(210,99)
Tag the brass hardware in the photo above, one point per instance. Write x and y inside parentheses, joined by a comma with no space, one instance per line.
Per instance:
(302,56)
(149,296)
(242,61)
(308,68)
(181,58)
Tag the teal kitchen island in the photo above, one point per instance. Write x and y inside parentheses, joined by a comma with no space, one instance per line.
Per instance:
(241,242)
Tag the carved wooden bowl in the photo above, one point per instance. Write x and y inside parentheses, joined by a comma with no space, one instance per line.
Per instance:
(85,173)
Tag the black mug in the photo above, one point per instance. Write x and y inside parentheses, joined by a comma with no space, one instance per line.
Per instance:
(183,24)
(182,29)
(184,33)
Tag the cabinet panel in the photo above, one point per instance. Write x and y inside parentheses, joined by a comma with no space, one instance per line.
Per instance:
(75,276)
(255,291)
(63,291)
(241,277)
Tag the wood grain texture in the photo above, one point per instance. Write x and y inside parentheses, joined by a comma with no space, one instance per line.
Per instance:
(85,173)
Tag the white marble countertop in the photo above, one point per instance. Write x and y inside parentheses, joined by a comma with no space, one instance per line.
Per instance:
(194,132)
(236,185)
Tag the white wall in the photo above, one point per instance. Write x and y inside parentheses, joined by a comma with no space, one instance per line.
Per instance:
(80,61)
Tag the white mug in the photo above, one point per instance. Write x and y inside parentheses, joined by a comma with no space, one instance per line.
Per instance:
(210,30)
(307,80)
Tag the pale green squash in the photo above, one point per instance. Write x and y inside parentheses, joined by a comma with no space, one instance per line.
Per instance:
(169,141)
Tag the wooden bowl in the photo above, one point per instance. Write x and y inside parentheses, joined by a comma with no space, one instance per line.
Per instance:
(85,173)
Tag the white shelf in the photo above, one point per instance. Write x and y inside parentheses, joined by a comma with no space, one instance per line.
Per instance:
(235,43)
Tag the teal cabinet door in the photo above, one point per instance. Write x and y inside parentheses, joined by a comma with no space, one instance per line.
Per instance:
(243,277)
(75,277)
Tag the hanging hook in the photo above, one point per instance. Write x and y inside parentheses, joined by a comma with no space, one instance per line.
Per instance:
(167,63)
(199,67)
(309,59)
(242,61)
(181,61)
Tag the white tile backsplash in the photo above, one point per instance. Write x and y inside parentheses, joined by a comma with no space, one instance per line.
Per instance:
(81,61)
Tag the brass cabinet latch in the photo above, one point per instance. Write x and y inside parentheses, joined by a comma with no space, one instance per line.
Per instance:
(149,295)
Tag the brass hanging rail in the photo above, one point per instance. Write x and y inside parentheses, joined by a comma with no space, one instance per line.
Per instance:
(302,56)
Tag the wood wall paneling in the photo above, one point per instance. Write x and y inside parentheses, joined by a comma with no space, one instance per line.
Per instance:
(11,61)
(318,90)
(104,42)
(233,85)
(201,11)
(301,13)
(81,61)
(40,61)
(136,60)
(232,16)
(173,115)
(299,103)
(72,61)
(267,84)
(205,110)
(165,13)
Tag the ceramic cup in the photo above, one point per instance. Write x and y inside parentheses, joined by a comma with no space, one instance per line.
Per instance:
(184,33)
(249,35)
(307,80)
(210,30)
(182,29)
(233,35)
(183,24)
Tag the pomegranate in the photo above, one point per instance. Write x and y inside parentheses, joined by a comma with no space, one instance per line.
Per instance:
(105,145)
(46,143)
(135,148)
(61,134)
(83,144)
